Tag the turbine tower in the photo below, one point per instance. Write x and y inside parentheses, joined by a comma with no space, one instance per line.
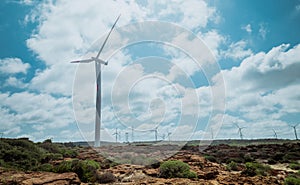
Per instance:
(168,135)
(126,136)
(98,63)
(240,130)
(132,138)
(155,132)
(275,134)
(116,134)
(295,130)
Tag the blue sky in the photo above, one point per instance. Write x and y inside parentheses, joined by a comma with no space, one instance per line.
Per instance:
(253,80)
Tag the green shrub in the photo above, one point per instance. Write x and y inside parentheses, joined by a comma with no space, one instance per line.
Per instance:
(248,158)
(50,147)
(210,158)
(68,153)
(65,166)
(236,160)
(291,156)
(51,157)
(175,168)
(253,169)
(45,167)
(290,180)
(294,166)
(232,166)
(86,170)
(271,161)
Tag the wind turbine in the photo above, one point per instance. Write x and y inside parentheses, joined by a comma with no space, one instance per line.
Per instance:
(116,134)
(168,135)
(155,132)
(295,130)
(132,138)
(98,63)
(240,130)
(126,136)
(275,134)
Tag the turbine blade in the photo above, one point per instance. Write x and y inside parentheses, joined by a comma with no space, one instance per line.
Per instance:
(83,61)
(107,37)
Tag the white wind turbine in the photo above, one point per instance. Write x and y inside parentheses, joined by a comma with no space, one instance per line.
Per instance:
(98,63)
(240,130)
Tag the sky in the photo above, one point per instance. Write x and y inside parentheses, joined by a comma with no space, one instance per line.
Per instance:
(192,69)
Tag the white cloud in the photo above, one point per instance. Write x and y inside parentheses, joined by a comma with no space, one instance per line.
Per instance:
(237,50)
(190,14)
(33,111)
(213,40)
(247,28)
(263,30)
(264,88)
(15,82)
(13,66)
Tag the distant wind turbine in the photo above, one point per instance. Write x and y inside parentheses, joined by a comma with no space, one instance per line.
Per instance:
(275,134)
(163,137)
(132,138)
(155,132)
(116,133)
(295,130)
(240,130)
(1,133)
(98,63)
(168,135)
(126,136)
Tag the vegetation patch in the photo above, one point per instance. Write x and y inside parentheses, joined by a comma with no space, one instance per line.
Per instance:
(86,170)
(291,180)
(23,154)
(232,166)
(253,169)
(210,158)
(294,166)
(106,177)
(176,168)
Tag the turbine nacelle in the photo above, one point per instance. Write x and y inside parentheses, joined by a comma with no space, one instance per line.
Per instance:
(99,60)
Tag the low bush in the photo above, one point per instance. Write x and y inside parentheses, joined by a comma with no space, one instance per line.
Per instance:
(236,160)
(48,157)
(232,166)
(45,167)
(291,156)
(294,166)
(106,177)
(86,170)
(248,158)
(253,169)
(176,168)
(210,158)
(291,180)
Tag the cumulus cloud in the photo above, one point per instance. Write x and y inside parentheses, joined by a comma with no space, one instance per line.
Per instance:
(34,111)
(247,28)
(263,30)
(213,40)
(15,82)
(237,50)
(263,88)
(13,66)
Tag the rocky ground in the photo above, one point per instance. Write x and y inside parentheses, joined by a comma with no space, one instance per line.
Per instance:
(208,172)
